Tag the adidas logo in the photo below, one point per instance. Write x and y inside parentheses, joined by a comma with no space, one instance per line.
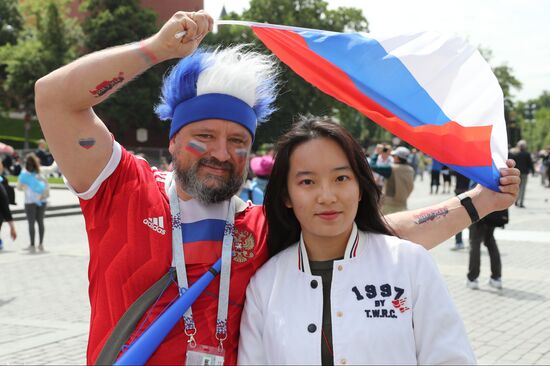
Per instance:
(156,223)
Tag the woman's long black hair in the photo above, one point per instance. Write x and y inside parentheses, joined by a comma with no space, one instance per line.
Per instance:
(283,227)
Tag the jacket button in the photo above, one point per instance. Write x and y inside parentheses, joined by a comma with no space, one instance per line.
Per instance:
(314,284)
(311,328)
(339,314)
(343,361)
(340,268)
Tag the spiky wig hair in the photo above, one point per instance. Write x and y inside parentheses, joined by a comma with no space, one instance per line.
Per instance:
(233,84)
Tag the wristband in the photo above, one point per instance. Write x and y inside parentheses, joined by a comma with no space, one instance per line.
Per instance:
(466,201)
(149,56)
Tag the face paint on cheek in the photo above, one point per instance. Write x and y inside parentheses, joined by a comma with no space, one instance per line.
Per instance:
(196,148)
(241,153)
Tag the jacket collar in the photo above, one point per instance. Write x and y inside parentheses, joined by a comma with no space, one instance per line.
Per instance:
(353,248)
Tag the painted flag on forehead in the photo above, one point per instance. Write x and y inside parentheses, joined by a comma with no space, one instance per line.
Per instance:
(436,92)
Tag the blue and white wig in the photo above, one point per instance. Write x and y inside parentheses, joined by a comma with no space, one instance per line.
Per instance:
(230,84)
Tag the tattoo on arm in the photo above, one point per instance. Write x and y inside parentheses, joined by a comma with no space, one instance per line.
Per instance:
(103,87)
(87,143)
(430,215)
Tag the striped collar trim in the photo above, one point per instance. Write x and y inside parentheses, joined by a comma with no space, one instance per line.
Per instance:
(353,248)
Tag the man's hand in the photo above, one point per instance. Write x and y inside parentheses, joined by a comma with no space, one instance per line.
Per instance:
(509,187)
(165,45)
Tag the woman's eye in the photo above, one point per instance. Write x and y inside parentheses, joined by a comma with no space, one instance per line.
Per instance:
(306,182)
(342,178)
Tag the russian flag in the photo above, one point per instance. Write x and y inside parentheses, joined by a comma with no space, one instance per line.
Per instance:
(434,91)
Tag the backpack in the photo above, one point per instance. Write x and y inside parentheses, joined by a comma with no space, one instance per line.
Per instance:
(497,218)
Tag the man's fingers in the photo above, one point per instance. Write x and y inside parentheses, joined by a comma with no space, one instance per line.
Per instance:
(511,163)
(505,172)
(511,189)
(201,20)
(190,27)
(509,180)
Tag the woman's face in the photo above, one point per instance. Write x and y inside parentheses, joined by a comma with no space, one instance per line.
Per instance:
(323,189)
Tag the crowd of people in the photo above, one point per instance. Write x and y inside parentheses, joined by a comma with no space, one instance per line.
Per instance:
(321,259)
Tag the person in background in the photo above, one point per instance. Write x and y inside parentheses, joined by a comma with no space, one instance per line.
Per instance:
(12,164)
(254,189)
(34,183)
(5,212)
(462,184)
(398,181)
(483,232)
(524,163)
(340,287)
(435,172)
(446,173)
(42,153)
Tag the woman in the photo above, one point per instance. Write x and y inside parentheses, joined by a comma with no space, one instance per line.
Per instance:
(36,191)
(339,289)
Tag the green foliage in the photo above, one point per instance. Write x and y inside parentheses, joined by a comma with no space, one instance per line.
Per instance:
(48,41)
(11,22)
(297,96)
(113,23)
(24,64)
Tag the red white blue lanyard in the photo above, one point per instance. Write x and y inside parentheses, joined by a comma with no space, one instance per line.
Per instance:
(179,260)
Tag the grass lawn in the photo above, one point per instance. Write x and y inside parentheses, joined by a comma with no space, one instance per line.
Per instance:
(54,180)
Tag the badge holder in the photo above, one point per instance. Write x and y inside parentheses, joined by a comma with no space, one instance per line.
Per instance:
(204,355)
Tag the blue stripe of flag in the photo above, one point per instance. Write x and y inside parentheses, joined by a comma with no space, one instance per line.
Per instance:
(390,83)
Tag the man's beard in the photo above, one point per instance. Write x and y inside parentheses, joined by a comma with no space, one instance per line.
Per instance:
(196,186)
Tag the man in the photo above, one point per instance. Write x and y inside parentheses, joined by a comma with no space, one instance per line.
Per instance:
(126,204)
(399,181)
(45,157)
(523,160)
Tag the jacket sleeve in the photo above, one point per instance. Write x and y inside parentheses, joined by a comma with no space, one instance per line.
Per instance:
(251,349)
(5,212)
(439,333)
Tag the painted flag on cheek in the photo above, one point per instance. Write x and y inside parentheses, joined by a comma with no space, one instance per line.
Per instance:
(434,91)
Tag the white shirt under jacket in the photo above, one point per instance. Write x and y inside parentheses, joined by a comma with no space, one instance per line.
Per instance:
(389,305)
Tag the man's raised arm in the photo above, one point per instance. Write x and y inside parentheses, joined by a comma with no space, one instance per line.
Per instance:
(433,225)
(78,139)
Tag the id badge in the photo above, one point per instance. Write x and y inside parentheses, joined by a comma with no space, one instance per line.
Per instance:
(204,355)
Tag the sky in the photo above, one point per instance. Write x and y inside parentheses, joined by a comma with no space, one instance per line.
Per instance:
(517,31)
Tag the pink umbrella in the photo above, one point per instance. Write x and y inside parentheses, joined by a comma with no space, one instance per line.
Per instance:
(5,149)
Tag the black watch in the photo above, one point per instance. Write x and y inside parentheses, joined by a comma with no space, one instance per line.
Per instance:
(466,201)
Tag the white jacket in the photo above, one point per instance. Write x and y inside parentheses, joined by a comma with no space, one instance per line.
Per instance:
(389,305)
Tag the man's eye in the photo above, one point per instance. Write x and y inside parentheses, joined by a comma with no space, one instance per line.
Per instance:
(205,136)
(237,140)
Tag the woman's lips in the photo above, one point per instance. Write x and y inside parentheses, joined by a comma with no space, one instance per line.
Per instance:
(329,215)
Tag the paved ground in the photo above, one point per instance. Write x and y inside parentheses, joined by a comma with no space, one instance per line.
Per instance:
(44,309)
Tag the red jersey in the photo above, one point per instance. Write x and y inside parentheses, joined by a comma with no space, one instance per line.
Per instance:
(128,224)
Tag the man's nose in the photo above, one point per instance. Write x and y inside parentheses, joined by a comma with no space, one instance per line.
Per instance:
(220,150)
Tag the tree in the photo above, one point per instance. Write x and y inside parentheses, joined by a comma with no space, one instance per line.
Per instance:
(47,41)
(111,23)
(508,82)
(297,96)
(11,22)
